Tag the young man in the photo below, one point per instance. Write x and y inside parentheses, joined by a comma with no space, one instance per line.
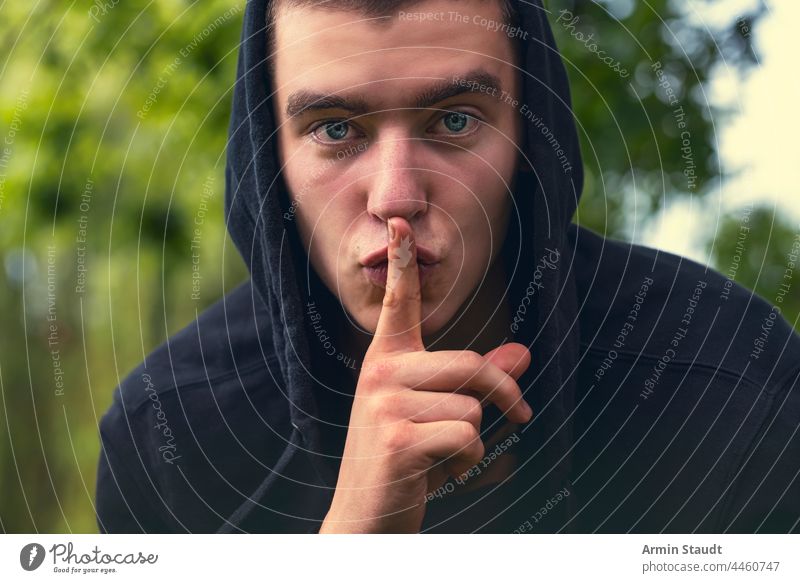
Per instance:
(426,343)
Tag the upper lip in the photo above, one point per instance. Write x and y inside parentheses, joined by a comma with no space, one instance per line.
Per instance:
(424,256)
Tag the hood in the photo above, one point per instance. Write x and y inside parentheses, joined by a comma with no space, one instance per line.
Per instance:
(544,202)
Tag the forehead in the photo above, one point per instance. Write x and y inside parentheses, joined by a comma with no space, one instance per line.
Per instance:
(331,51)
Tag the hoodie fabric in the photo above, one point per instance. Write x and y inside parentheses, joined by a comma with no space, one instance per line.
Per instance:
(665,395)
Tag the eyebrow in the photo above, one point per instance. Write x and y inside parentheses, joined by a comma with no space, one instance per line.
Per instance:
(475,81)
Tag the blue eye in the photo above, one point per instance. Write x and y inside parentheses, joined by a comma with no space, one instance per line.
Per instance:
(455,121)
(336,130)
(332,131)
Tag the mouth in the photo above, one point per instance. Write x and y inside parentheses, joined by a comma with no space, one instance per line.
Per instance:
(376,274)
(376,265)
(424,256)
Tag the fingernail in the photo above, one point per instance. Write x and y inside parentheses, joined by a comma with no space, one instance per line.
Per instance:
(391,231)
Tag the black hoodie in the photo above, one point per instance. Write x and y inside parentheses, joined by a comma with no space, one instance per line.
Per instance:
(665,396)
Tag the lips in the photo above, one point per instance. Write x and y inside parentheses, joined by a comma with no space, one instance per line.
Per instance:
(376,273)
(424,257)
(376,265)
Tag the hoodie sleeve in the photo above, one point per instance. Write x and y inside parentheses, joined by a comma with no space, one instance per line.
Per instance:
(122,507)
(122,503)
(765,493)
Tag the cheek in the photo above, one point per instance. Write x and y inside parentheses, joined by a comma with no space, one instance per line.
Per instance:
(323,214)
(324,223)
(496,188)
(483,216)
(321,238)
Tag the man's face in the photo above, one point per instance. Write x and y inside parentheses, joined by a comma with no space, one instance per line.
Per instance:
(411,118)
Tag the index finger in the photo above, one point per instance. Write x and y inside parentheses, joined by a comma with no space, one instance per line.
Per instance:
(399,325)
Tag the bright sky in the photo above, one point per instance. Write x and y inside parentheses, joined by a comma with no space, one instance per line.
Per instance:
(760,140)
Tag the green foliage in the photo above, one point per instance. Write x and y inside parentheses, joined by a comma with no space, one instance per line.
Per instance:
(637,74)
(636,154)
(758,250)
(118,158)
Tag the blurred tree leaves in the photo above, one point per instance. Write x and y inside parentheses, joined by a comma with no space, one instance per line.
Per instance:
(635,150)
(122,135)
(634,136)
(759,250)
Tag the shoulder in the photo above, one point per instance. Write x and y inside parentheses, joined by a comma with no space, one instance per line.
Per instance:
(187,423)
(765,492)
(703,376)
(229,341)
(649,303)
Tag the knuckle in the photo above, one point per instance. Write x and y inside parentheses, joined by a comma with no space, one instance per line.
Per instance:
(477,452)
(474,413)
(514,389)
(370,376)
(399,436)
(385,408)
(390,298)
(376,373)
(466,433)
(394,298)
(506,390)
(472,359)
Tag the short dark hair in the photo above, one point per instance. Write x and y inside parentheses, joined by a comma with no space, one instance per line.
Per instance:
(369,8)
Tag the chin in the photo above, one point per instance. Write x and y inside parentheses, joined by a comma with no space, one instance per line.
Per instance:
(433,323)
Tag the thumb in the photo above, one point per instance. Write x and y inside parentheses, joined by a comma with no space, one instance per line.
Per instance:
(514,358)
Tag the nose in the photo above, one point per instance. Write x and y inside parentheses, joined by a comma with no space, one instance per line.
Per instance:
(398,186)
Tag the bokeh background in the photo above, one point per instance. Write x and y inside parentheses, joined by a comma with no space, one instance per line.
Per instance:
(113,122)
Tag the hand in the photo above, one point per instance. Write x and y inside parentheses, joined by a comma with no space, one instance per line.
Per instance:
(416,415)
